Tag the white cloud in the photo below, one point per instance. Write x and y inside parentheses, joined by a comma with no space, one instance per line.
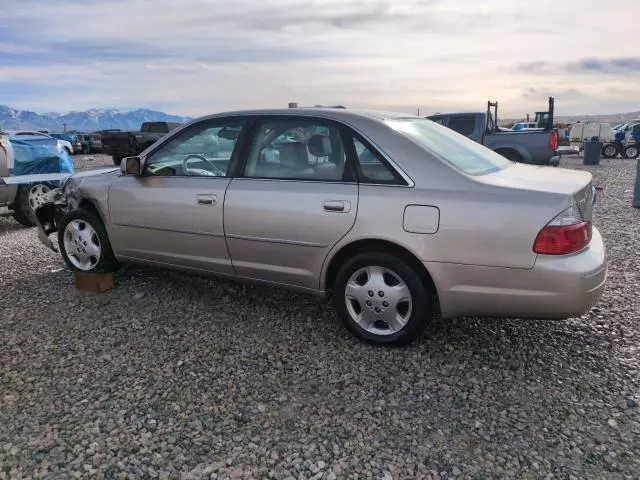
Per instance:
(200,56)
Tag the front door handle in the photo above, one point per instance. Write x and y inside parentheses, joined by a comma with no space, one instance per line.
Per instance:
(336,206)
(207,199)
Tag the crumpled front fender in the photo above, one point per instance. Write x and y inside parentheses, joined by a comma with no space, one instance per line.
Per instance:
(48,216)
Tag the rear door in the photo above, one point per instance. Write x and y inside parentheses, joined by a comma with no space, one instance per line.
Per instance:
(295,199)
(173,213)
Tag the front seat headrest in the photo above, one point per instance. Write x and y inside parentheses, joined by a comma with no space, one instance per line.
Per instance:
(319,146)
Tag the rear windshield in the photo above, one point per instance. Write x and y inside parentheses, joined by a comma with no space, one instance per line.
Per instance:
(456,149)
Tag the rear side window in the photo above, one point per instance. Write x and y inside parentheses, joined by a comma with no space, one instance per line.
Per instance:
(463,124)
(457,150)
(371,168)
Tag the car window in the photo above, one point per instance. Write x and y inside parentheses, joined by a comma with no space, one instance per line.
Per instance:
(203,150)
(636,128)
(463,124)
(457,150)
(371,168)
(296,149)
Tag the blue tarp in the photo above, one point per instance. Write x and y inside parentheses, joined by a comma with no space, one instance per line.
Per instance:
(34,154)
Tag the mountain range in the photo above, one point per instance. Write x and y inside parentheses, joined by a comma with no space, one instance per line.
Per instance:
(91,120)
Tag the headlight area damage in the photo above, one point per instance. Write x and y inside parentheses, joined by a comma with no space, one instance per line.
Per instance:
(58,201)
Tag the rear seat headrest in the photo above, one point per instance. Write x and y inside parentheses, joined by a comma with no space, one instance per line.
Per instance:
(319,146)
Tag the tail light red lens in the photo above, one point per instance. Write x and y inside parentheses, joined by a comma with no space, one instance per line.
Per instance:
(563,239)
(553,141)
(566,233)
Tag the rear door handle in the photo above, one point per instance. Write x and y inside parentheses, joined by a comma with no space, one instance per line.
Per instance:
(336,206)
(207,199)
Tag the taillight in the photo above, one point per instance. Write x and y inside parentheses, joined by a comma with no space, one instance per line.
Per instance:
(553,141)
(565,234)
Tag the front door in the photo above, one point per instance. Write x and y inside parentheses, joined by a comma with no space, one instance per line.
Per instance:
(295,200)
(173,213)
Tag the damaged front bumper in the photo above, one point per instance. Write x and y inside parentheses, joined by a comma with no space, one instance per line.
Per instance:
(49,214)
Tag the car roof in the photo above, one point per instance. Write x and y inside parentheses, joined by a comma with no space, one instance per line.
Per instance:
(328,113)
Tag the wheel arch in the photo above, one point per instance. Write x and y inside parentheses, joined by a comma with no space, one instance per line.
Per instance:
(511,153)
(90,206)
(377,245)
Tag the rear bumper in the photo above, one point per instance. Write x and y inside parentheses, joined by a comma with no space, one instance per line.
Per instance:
(556,287)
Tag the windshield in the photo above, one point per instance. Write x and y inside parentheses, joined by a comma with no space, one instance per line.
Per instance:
(455,149)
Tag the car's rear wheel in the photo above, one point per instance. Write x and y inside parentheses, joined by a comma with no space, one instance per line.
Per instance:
(28,199)
(610,150)
(631,151)
(382,299)
(84,243)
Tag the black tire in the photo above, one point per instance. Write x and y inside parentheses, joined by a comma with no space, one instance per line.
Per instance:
(610,150)
(421,293)
(107,261)
(117,159)
(23,212)
(632,151)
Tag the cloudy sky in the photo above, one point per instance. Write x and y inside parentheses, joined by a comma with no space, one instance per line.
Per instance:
(194,57)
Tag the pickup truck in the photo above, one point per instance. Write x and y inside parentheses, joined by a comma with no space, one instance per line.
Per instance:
(122,144)
(537,147)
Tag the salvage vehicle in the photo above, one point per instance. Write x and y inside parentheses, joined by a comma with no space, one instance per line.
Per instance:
(631,142)
(120,144)
(602,132)
(90,143)
(30,133)
(524,126)
(397,218)
(534,146)
(72,138)
(20,158)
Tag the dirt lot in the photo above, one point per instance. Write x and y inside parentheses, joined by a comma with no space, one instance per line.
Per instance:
(174,376)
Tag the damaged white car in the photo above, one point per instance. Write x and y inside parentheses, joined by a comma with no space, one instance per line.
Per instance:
(30,166)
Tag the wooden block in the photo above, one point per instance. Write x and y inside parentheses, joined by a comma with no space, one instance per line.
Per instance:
(94,282)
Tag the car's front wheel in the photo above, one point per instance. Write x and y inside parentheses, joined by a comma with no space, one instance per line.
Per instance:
(84,243)
(382,299)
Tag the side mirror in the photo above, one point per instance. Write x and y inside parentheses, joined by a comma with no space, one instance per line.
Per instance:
(131,166)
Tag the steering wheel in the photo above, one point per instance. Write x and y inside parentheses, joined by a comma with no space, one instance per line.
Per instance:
(185,168)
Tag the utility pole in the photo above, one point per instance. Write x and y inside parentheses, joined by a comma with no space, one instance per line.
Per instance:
(636,190)
(64,127)
(418,111)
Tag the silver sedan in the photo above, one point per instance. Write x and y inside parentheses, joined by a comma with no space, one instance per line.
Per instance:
(397,217)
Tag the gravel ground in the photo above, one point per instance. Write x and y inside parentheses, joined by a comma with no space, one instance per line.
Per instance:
(173,376)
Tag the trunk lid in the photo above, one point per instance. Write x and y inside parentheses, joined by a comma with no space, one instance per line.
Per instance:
(551,180)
